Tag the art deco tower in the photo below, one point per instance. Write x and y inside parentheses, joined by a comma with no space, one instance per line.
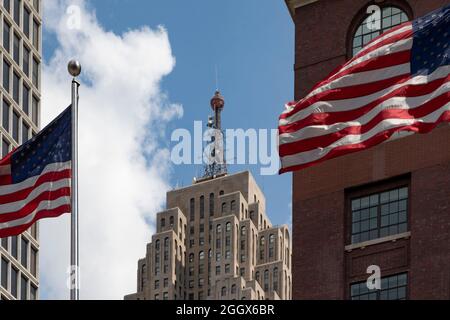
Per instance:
(215,241)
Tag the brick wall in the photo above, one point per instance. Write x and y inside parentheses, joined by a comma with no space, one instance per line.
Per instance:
(322,269)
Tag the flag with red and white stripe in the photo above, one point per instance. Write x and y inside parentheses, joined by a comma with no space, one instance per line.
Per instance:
(35,178)
(399,82)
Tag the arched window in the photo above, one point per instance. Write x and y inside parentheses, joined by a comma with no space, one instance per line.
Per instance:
(243,231)
(224,207)
(191,257)
(372,26)
(233,206)
(271,238)
(221,192)
(171,221)
(266,280)
(257,276)
(219,228)
(166,242)
(163,223)
(228,227)
(233,289)
(201,255)
(261,241)
(157,245)
(224,291)
(275,278)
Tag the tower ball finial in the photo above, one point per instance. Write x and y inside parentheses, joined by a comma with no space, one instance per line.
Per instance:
(217,102)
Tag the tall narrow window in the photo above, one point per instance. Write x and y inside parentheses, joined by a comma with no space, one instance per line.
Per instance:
(6,36)
(36,27)
(5,115)
(35,72)
(15,132)
(233,206)
(26,61)
(275,279)
(6,68)
(211,204)
(202,207)
(7,5)
(33,292)
(24,252)
(36,5)
(33,261)
(25,132)
(16,84)
(35,110)
(266,280)
(5,273)
(192,209)
(17,11)
(14,278)
(5,151)
(26,22)
(23,288)
(14,249)
(16,48)
(26,99)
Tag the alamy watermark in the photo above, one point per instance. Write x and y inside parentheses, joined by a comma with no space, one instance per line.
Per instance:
(233,146)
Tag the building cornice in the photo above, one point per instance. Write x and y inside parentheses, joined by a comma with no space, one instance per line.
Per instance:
(294,4)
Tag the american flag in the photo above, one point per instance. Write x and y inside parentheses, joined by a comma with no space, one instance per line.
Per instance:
(35,178)
(397,83)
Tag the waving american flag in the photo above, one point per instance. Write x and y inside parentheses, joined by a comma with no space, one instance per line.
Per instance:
(398,82)
(35,178)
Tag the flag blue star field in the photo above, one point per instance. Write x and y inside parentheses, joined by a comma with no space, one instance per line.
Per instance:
(35,178)
(398,82)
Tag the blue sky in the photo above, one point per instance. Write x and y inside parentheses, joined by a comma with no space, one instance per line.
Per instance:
(250,42)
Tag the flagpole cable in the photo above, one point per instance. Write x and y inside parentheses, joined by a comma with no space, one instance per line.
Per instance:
(74,68)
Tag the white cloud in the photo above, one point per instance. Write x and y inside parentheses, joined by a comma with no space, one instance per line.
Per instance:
(122,111)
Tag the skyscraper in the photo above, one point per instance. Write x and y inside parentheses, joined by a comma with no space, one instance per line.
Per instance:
(387,206)
(20,54)
(215,241)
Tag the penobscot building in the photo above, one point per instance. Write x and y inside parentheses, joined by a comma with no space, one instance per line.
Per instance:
(216,242)
(20,54)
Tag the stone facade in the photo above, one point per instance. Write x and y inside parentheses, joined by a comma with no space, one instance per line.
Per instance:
(215,241)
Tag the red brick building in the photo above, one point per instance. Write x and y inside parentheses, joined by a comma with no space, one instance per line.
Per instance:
(387,206)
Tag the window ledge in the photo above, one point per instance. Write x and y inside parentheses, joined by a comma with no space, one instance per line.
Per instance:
(364,244)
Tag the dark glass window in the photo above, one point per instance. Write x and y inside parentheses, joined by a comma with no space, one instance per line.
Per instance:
(23,288)
(26,22)
(33,292)
(5,151)
(36,5)
(36,34)
(390,17)
(17,11)
(16,84)
(35,110)
(26,61)
(211,204)
(4,280)
(33,261)
(379,215)
(233,206)
(192,209)
(26,99)
(392,288)
(202,207)
(16,48)
(5,115)
(35,73)
(6,36)
(14,249)
(14,279)
(6,68)
(15,132)
(7,5)
(24,252)
(4,243)
(266,280)
(25,132)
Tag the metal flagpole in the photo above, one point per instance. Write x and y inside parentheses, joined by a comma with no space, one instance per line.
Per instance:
(74,68)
